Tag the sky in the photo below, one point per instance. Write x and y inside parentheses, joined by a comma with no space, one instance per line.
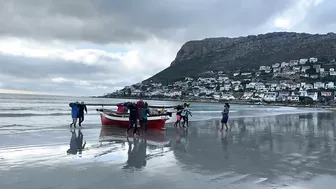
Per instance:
(93,47)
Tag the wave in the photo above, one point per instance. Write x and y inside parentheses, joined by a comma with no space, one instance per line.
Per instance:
(30,114)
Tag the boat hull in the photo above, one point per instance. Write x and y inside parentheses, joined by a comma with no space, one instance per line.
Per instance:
(154,122)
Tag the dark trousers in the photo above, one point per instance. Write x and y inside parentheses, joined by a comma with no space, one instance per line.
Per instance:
(144,124)
(131,123)
(81,119)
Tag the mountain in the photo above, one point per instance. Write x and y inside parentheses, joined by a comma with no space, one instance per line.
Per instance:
(245,53)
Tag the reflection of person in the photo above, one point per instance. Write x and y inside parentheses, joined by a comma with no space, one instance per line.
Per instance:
(137,154)
(76,143)
(82,108)
(79,140)
(181,140)
(74,113)
(73,143)
(225,116)
(224,144)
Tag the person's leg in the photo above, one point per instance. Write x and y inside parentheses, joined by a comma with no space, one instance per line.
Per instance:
(186,120)
(146,125)
(74,122)
(130,125)
(135,127)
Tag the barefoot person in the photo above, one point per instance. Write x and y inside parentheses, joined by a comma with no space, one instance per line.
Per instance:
(145,113)
(132,117)
(179,110)
(82,108)
(225,116)
(74,113)
(185,115)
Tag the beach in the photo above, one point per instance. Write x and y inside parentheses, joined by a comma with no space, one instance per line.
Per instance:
(265,147)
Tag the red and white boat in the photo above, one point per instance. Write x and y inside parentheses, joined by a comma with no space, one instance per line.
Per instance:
(118,119)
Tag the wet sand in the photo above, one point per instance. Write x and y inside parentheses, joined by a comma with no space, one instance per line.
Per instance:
(284,151)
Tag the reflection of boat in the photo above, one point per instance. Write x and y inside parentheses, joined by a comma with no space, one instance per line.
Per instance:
(156,120)
(108,134)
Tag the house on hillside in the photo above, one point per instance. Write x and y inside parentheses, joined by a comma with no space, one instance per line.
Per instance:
(270,96)
(303,61)
(313,60)
(313,95)
(330,85)
(319,85)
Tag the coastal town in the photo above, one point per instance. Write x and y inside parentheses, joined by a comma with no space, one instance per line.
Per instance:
(306,80)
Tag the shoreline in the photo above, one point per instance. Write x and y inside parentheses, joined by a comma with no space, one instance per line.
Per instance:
(241,102)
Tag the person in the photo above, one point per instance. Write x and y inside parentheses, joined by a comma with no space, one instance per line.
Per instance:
(140,105)
(132,117)
(74,113)
(82,108)
(225,116)
(179,110)
(145,113)
(185,114)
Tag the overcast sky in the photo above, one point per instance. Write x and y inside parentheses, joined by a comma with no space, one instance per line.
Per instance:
(92,47)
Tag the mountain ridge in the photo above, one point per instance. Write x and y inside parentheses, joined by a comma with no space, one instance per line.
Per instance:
(248,53)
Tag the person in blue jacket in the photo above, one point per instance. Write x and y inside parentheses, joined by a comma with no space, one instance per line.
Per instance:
(74,113)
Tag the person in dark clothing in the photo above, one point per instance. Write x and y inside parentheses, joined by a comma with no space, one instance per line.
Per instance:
(132,117)
(82,108)
(225,116)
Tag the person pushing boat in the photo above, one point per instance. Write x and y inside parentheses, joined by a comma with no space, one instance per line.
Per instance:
(185,114)
(132,117)
(179,109)
(74,113)
(145,112)
(82,108)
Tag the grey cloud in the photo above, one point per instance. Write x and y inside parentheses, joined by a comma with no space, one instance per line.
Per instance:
(34,74)
(105,21)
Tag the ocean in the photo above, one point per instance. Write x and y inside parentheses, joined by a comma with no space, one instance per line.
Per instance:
(266,147)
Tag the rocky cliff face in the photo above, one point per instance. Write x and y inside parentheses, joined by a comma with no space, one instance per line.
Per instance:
(246,53)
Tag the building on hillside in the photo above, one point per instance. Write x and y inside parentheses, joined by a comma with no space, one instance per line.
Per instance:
(303,61)
(319,85)
(330,85)
(313,60)
(270,96)
(313,95)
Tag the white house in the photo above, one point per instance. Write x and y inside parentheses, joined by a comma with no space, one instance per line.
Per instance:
(313,95)
(260,86)
(284,64)
(293,62)
(314,60)
(270,96)
(276,65)
(250,85)
(303,61)
(319,85)
(330,85)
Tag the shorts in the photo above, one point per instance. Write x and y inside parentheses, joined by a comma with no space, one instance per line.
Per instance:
(178,117)
(224,119)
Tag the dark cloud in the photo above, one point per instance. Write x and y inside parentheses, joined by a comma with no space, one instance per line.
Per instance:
(36,74)
(105,21)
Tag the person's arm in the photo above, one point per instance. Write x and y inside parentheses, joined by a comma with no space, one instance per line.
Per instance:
(84,145)
(85,109)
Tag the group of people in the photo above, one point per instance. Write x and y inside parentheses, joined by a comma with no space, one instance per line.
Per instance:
(138,115)
(182,113)
(77,113)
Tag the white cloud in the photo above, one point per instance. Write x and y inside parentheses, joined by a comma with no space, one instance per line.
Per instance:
(296,14)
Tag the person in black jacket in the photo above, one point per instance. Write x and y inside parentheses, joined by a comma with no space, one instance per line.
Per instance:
(82,108)
(132,117)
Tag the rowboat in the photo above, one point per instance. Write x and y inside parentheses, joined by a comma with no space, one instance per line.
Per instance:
(155,121)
